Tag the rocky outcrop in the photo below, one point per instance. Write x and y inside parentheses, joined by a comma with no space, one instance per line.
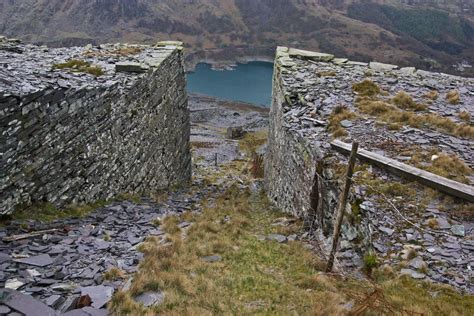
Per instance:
(114,119)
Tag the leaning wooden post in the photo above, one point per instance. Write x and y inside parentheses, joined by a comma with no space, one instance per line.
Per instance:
(342,206)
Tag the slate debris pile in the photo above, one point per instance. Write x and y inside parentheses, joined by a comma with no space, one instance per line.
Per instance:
(59,270)
(307,87)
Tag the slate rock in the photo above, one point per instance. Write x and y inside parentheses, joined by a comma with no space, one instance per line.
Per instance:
(458,230)
(129,67)
(91,311)
(53,301)
(443,223)
(13,284)
(39,261)
(150,298)
(4,258)
(413,274)
(25,304)
(417,263)
(386,230)
(278,238)
(346,123)
(4,309)
(212,258)
(99,294)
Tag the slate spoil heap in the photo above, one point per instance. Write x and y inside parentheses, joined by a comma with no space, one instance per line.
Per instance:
(420,118)
(57,270)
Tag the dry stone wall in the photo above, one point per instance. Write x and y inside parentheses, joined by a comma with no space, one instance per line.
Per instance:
(304,175)
(70,137)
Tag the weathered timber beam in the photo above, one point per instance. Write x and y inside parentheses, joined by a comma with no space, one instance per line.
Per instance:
(454,188)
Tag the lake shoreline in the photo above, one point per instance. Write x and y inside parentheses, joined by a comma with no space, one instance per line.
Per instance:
(246,81)
(227,57)
(230,64)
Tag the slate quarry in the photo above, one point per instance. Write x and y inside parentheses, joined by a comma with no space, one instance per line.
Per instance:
(431,241)
(54,270)
(78,135)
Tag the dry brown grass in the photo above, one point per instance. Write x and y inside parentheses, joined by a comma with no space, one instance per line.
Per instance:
(432,95)
(250,143)
(453,97)
(451,167)
(326,74)
(203,145)
(114,274)
(260,277)
(366,88)
(392,115)
(124,51)
(75,65)
(404,101)
(250,270)
(465,116)
(339,114)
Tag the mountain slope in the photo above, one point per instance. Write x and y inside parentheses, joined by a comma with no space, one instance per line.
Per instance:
(429,34)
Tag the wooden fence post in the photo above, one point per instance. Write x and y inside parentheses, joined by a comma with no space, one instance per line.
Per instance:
(342,206)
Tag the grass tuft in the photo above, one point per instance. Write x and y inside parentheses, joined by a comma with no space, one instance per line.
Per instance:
(465,116)
(47,212)
(404,101)
(432,95)
(322,74)
(366,88)
(76,65)
(453,97)
(114,274)
(390,114)
(339,114)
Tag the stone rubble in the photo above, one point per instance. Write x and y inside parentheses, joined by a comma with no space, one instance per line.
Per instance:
(58,268)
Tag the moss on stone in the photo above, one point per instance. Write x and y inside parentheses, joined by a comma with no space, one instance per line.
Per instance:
(76,65)
(47,212)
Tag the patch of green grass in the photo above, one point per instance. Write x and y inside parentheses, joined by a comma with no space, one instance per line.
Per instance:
(76,65)
(257,276)
(47,212)
(135,198)
(370,262)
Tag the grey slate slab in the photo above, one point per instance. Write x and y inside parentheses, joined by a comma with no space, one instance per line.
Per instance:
(150,298)
(100,294)
(39,261)
(25,304)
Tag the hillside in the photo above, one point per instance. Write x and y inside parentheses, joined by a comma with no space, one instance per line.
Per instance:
(405,32)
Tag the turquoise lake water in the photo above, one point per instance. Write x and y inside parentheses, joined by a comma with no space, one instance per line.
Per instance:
(251,83)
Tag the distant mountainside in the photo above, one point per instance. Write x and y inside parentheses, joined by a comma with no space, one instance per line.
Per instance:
(430,34)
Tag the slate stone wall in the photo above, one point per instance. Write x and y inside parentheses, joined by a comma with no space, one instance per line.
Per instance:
(297,175)
(81,144)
